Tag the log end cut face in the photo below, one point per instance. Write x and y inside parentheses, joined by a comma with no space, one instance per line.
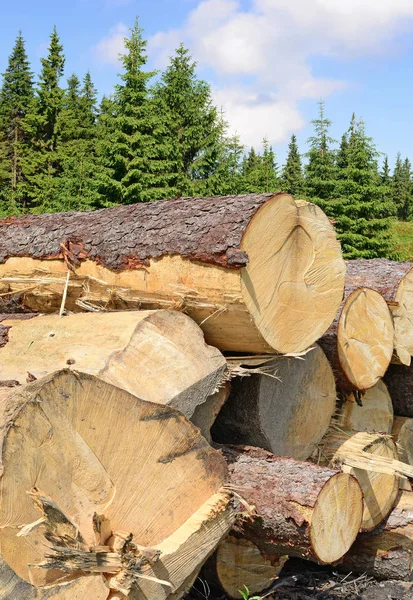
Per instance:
(85,465)
(336,518)
(294,281)
(403,319)
(240,563)
(374,414)
(365,338)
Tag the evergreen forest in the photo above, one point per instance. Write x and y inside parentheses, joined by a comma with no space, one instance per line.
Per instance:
(159,135)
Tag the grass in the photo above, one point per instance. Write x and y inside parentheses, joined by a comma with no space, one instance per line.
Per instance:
(403,235)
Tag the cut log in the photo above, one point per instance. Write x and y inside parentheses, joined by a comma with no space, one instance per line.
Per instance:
(387,551)
(258,273)
(286,411)
(100,485)
(359,343)
(300,509)
(399,381)
(394,281)
(160,356)
(238,563)
(403,436)
(373,412)
(372,458)
(205,414)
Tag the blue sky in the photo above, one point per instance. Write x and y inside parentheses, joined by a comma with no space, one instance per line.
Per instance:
(268,61)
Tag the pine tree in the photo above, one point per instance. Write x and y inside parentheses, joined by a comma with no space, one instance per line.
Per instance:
(385,175)
(292,180)
(41,165)
(321,170)
(362,208)
(134,132)
(197,130)
(16,97)
(342,160)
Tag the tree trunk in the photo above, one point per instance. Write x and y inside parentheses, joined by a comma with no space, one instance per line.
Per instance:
(387,551)
(287,410)
(238,563)
(373,460)
(403,436)
(258,273)
(205,414)
(300,509)
(98,485)
(373,412)
(359,343)
(160,356)
(399,381)
(394,281)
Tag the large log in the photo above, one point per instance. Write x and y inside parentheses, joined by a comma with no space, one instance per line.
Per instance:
(160,356)
(287,410)
(238,563)
(394,281)
(373,412)
(403,436)
(399,381)
(373,460)
(300,509)
(100,488)
(387,551)
(359,342)
(258,273)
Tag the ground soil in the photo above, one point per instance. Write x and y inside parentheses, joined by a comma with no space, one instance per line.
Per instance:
(301,580)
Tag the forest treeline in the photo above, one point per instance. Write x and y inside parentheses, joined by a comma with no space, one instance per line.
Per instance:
(160,136)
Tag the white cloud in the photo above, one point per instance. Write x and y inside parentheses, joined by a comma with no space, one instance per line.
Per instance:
(109,48)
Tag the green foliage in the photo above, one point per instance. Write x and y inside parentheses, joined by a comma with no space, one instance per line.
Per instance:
(245,594)
(401,188)
(321,169)
(292,179)
(362,208)
(260,171)
(403,236)
(16,98)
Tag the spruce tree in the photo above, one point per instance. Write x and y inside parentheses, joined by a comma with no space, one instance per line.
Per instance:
(260,171)
(341,160)
(16,98)
(41,166)
(401,188)
(80,182)
(292,179)
(134,132)
(321,170)
(197,131)
(385,175)
(362,208)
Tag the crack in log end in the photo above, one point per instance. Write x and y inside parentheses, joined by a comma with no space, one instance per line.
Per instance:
(9,383)
(163,413)
(193,444)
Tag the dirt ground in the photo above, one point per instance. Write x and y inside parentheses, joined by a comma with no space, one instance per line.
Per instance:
(300,580)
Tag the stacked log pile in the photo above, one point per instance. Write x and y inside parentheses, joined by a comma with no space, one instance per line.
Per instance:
(198,383)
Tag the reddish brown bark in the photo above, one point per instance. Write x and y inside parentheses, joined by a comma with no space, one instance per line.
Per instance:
(283,492)
(382,275)
(126,237)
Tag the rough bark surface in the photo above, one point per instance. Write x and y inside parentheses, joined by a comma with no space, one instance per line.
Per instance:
(399,381)
(202,229)
(285,494)
(382,275)
(387,551)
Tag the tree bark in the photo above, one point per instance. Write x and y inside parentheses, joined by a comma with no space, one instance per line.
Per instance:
(205,414)
(359,343)
(160,356)
(373,413)
(238,563)
(399,381)
(286,411)
(387,551)
(258,273)
(300,509)
(97,483)
(373,460)
(394,281)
